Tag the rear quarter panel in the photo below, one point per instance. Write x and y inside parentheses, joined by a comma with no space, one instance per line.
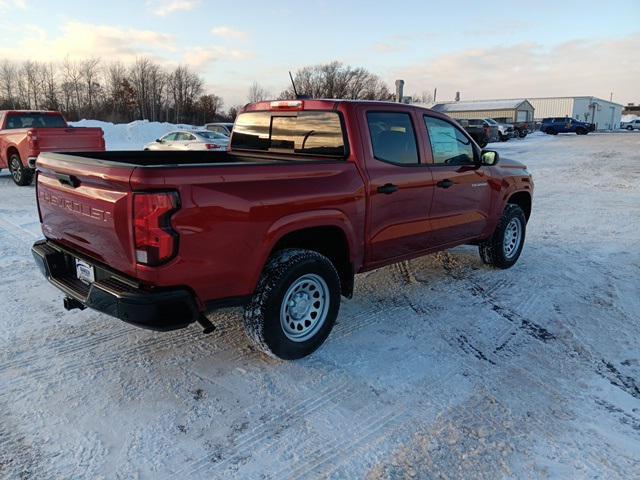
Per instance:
(232,216)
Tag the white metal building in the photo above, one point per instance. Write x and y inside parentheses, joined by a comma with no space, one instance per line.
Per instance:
(605,114)
(515,110)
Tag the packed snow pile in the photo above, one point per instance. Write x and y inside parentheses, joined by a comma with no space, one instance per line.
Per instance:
(629,117)
(134,135)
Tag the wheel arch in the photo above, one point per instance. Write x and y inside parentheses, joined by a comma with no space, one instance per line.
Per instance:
(327,232)
(522,198)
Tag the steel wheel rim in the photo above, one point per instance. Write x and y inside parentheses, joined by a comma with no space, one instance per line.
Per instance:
(304,307)
(512,238)
(15,169)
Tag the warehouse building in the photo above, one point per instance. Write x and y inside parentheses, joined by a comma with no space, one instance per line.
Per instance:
(605,114)
(507,111)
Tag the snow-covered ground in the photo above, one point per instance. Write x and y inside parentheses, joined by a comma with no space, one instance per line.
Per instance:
(438,368)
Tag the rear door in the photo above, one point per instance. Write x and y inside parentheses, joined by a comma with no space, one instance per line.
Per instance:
(400,185)
(462,197)
(87,206)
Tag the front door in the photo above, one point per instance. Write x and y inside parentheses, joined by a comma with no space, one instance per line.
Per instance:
(462,197)
(400,186)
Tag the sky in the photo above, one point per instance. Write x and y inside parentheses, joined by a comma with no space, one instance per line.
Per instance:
(485,50)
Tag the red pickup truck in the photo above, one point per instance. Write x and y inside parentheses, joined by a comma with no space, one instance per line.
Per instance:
(24,134)
(310,193)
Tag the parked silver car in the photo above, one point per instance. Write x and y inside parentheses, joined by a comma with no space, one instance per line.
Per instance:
(190,140)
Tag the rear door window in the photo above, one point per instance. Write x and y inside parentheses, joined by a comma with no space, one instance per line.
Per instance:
(393,138)
(303,133)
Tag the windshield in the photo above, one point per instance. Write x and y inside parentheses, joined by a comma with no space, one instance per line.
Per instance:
(35,120)
(491,121)
(212,135)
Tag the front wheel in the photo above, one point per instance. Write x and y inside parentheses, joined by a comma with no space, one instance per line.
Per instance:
(503,248)
(629,127)
(22,176)
(295,304)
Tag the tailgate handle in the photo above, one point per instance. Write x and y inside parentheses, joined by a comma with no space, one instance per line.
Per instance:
(69,180)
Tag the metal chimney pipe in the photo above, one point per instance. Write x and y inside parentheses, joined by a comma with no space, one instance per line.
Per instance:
(399,90)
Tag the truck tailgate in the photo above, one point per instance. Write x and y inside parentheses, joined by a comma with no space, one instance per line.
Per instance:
(70,139)
(87,207)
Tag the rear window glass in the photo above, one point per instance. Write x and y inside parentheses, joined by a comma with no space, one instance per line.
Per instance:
(35,120)
(310,133)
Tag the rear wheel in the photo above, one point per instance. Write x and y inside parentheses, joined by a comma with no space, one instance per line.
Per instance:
(295,305)
(503,248)
(21,175)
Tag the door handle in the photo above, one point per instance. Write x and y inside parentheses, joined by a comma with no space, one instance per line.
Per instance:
(445,183)
(388,188)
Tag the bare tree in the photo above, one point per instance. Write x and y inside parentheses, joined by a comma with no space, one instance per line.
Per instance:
(257,93)
(336,80)
(185,87)
(73,79)
(8,74)
(209,107)
(89,70)
(50,87)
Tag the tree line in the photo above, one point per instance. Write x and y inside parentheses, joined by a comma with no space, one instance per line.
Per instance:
(115,92)
(110,91)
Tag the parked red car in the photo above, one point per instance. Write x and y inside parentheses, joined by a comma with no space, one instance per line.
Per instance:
(310,193)
(24,134)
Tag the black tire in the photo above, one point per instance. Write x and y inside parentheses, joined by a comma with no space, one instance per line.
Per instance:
(522,134)
(503,138)
(262,316)
(493,250)
(581,131)
(21,175)
(629,127)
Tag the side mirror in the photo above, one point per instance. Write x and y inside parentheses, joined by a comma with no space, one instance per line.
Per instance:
(489,157)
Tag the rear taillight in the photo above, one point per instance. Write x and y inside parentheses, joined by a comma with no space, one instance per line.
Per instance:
(155,241)
(32,139)
(211,146)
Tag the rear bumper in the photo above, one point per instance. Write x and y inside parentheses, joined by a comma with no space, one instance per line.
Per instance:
(166,309)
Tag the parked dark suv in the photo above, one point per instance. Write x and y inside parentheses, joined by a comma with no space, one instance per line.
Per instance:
(556,125)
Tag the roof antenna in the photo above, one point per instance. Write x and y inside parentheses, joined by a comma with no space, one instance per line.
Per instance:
(295,92)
